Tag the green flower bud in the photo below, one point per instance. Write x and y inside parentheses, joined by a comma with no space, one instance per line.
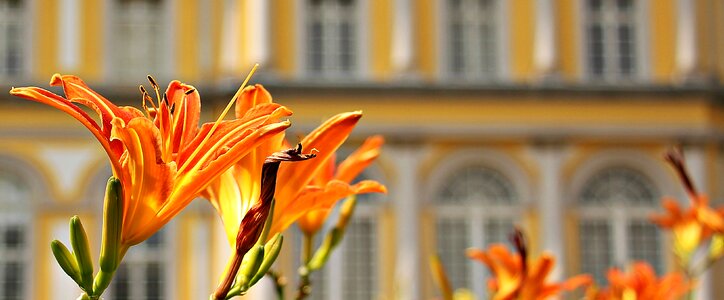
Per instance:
(112,225)
(271,252)
(81,250)
(249,266)
(66,260)
(102,281)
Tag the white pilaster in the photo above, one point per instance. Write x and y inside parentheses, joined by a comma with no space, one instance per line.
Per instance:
(402,36)
(257,30)
(550,204)
(406,197)
(69,34)
(544,54)
(685,38)
(696,162)
(230,43)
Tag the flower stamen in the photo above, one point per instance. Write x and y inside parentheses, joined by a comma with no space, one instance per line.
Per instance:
(221,117)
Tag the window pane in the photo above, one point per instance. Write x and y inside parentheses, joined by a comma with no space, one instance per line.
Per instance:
(154,281)
(11,18)
(331,31)
(452,240)
(12,286)
(596,248)
(360,260)
(456,48)
(619,185)
(473,40)
(120,283)
(479,185)
(626,54)
(498,230)
(643,240)
(137,47)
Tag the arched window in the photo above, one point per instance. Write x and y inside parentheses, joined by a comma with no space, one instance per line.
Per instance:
(15,196)
(11,37)
(476,206)
(473,38)
(612,40)
(332,38)
(614,206)
(137,38)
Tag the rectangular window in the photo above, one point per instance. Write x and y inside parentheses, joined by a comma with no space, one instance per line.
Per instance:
(11,37)
(595,244)
(332,38)
(473,38)
(137,35)
(12,258)
(360,259)
(452,240)
(643,238)
(611,39)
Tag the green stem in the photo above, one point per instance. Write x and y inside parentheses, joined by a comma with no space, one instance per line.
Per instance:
(305,283)
(280,283)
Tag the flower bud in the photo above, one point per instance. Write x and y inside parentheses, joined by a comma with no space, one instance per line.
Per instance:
(66,260)
(81,250)
(112,225)
(271,252)
(249,267)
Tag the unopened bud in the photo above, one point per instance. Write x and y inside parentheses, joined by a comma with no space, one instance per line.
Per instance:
(112,225)
(81,250)
(271,252)
(66,260)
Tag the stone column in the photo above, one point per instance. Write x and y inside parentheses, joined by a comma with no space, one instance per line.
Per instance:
(401,52)
(695,156)
(406,205)
(550,203)
(545,51)
(257,29)
(686,52)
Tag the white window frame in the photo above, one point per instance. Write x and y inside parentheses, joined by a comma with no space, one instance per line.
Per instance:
(477,215)
(502,59)
(23,215)
(167,44)
(641,47)
(360,70)
(644,164)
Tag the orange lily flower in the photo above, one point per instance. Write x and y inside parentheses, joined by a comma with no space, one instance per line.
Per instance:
(163,159)
(238,189)
(642,284)
(332,183)
(693,226)
(515,279)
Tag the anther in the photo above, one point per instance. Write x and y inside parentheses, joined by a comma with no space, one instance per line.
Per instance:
(188,92)
(153,82)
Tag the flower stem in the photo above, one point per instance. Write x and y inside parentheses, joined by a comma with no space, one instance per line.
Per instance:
(280,283)
(305,283)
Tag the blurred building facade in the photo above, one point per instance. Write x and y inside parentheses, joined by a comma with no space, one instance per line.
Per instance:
(548,114)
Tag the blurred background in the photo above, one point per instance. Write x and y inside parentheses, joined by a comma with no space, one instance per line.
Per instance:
(549,114)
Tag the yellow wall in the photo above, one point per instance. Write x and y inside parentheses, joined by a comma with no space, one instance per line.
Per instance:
(521,20)
(663,40)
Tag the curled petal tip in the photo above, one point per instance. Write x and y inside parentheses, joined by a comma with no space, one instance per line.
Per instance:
(293,154)
(56,79)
